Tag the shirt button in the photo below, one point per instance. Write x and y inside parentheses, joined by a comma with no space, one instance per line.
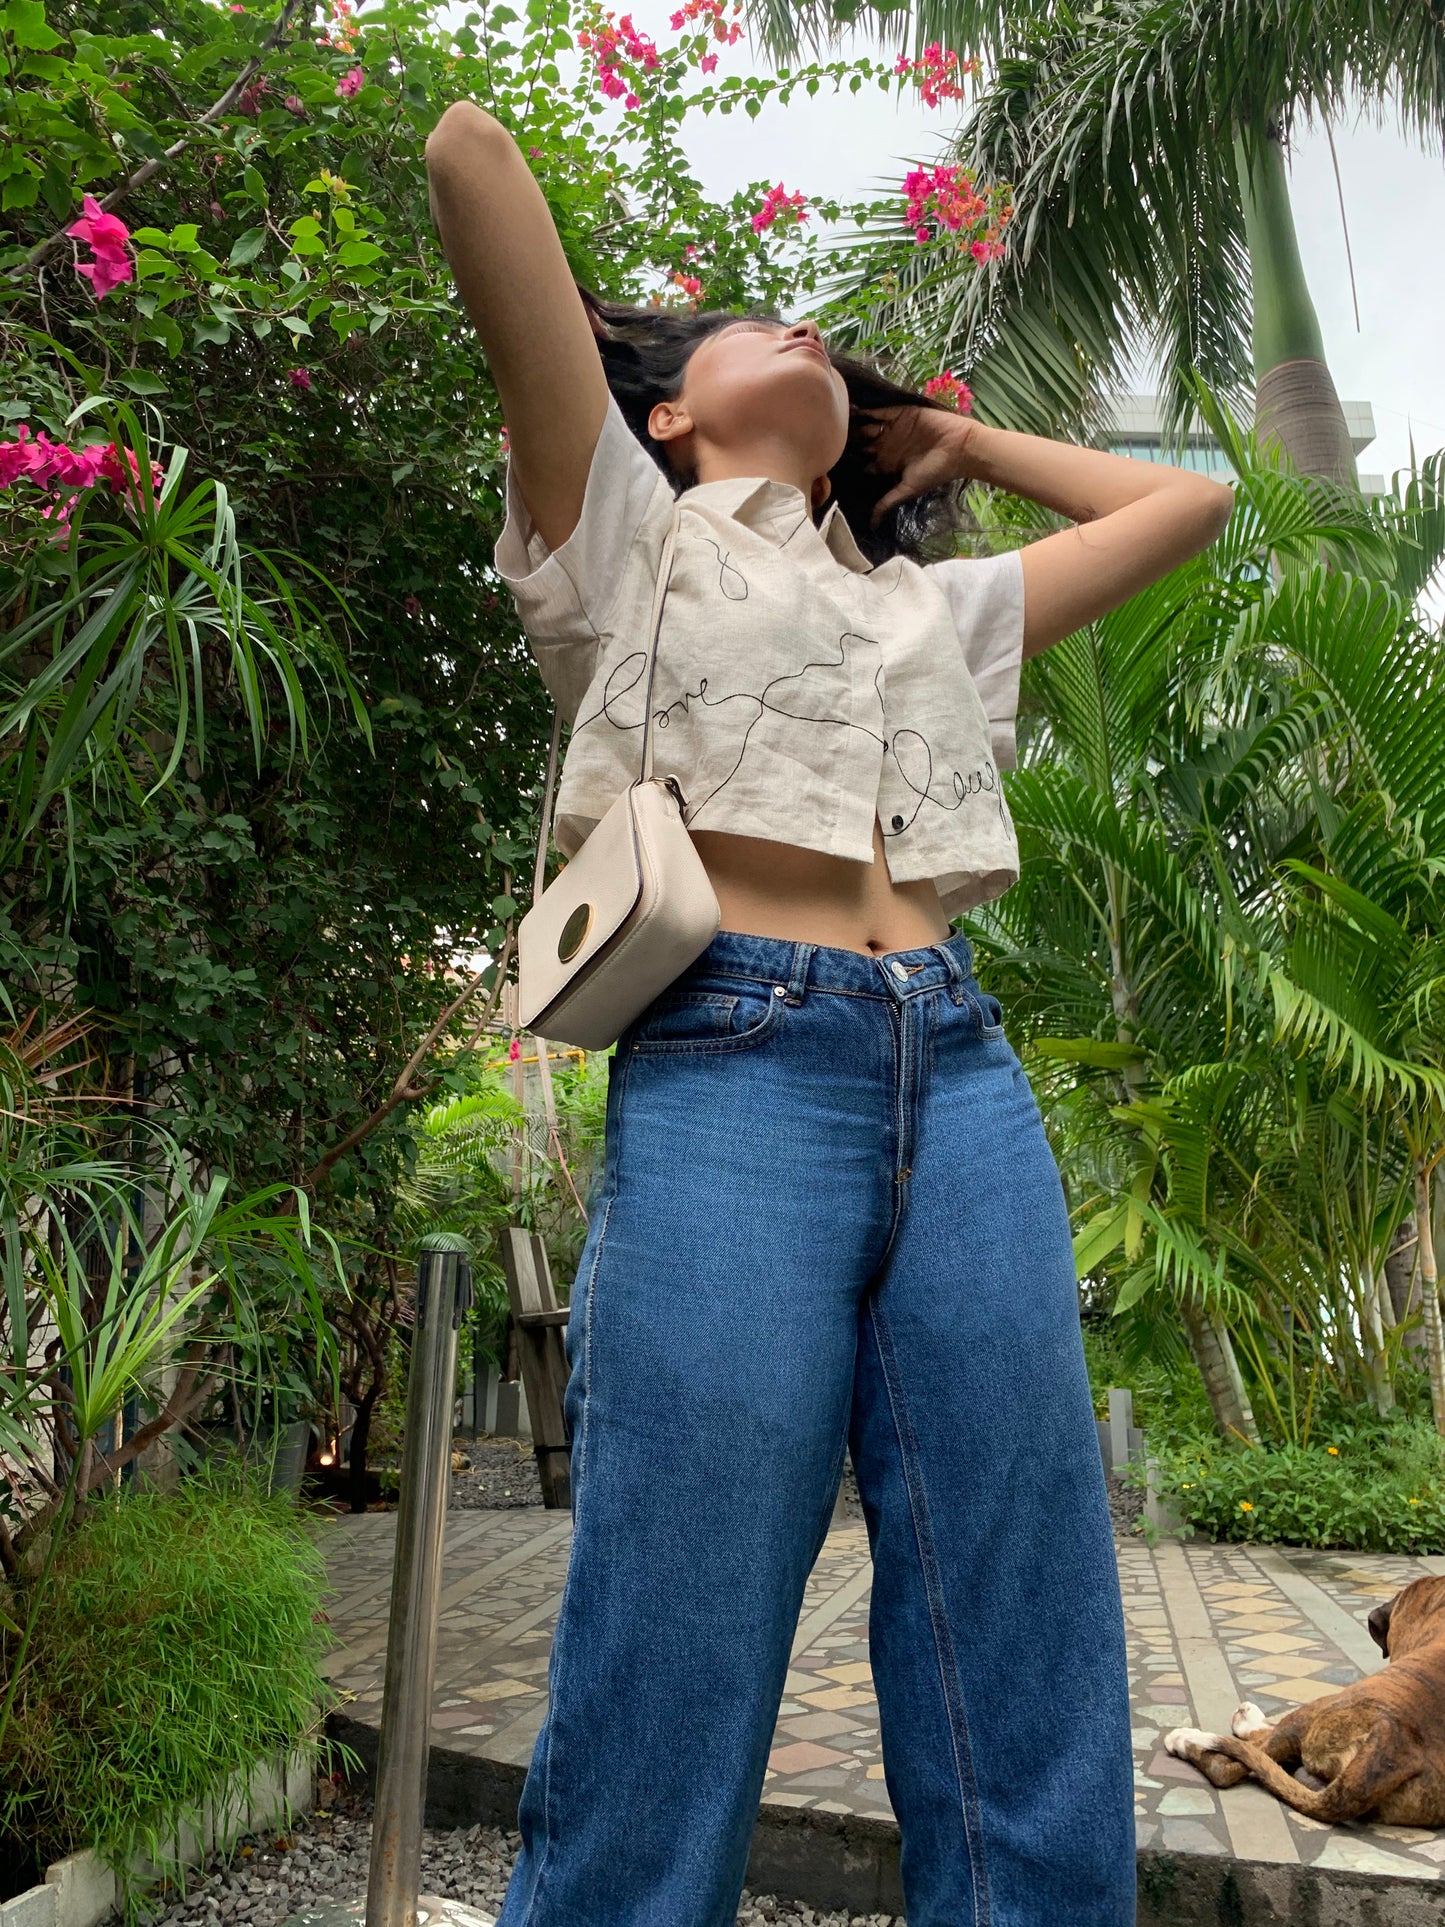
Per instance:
(898,969)
(898,822)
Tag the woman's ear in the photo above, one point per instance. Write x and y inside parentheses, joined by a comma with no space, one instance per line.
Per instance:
(822,489)
(669,421)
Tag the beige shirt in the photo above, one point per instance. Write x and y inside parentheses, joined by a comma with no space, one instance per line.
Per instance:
(798,691)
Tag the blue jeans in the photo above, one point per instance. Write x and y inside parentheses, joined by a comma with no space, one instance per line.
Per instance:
(829,1220)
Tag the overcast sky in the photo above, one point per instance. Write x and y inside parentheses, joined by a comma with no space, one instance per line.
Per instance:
(1394,202)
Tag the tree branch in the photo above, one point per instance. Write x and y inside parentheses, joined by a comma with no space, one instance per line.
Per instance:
(43,250)
(403,1091)
(188,1395)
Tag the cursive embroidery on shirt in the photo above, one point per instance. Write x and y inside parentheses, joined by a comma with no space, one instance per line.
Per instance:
(982,781)
(731,581)
(765,702)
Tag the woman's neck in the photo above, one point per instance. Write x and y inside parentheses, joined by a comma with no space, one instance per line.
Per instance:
(772,457)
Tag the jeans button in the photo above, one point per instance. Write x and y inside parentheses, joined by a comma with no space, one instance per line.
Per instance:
(898,970)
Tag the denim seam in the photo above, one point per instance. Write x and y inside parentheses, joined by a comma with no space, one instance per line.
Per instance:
(813,989)
(898,1027)
(949,1682)
(724,1045)
(558,1642)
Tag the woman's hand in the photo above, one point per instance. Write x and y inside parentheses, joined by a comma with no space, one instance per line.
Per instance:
(924,447)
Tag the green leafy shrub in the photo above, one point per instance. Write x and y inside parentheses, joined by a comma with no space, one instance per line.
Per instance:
(1168,1395)
(1376,1487)
(178,1647)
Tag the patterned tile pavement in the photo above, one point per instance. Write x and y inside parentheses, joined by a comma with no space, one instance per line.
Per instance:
(1208,1626)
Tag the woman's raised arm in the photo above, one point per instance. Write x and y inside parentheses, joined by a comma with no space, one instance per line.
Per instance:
(515,284)
(1135,520)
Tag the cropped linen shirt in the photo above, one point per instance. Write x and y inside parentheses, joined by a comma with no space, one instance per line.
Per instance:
(799,691)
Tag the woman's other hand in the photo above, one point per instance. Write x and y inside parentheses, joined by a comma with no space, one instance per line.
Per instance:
(925,448)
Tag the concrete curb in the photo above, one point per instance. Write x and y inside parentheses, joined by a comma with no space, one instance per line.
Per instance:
(81,1891)
(838,1860)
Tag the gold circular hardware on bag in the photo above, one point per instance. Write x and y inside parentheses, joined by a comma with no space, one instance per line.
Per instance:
(574,933)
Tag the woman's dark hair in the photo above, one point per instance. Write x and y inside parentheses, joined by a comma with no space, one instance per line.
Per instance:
(645,352)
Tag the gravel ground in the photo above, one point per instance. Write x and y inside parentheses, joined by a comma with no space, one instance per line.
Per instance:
(491,1471)
(1126,1507)
(325,1857)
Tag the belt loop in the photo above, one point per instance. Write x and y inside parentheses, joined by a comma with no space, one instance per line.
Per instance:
(798,982)
(956,973)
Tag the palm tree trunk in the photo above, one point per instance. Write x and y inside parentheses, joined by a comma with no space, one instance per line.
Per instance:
(1430,1295)
(1213,1353)
(1295,400)
(1377,1370)
(1400,1280)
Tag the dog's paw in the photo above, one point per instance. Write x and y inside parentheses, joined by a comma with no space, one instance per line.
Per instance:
(1183,1737)
(1248,1720)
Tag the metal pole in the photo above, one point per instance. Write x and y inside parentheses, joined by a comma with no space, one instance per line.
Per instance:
(443,1290)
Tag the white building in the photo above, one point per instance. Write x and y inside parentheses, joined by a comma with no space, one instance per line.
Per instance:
(1137,433)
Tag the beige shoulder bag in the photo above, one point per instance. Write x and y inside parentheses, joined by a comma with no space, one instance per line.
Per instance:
(631,910)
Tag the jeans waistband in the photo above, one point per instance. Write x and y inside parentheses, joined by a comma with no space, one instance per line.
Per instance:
(804,967)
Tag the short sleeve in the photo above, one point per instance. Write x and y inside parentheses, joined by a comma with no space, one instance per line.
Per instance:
(986,601)
(565,595)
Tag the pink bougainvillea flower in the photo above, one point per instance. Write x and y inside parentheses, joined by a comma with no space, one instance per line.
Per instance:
(689,285)
(610,43)
(344,29)
(300,378)
(780,205)
(411,605)
(350,84)
(945,200)
(707,63)
(506,440)
(84,467)
(106,235)
(950,389)
(514,1050)
(44,463)
(937,74)
(294,104)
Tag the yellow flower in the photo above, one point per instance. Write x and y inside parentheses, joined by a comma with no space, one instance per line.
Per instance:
(1333,1450)
(1412,1502)
(1186,1488)
(1245,1506)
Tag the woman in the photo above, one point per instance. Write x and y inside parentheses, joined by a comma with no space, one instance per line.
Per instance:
(828,1218)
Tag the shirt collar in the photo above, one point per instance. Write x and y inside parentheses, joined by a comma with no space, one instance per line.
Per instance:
(778,510)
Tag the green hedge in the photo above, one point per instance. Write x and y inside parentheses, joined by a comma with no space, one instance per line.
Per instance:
(1379,1488)
(178,1645)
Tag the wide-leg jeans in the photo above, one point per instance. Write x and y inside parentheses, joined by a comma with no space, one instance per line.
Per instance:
(829,1221)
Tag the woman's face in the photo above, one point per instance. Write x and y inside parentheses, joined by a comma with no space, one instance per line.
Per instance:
(755,381)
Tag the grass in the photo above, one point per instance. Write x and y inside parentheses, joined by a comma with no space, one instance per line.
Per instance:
(178,1646)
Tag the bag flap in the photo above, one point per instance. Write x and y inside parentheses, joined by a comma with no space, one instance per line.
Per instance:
(580,910)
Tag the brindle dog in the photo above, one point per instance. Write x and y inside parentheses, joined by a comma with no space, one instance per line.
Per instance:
(1375,1750)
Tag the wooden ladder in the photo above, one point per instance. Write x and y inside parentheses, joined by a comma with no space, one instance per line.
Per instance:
(540,1321)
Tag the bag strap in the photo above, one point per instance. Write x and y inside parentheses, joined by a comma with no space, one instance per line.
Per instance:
(544,832)
(659,597)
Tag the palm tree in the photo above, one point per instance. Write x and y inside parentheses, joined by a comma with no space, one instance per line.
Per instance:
(1180,754)
(1146,144)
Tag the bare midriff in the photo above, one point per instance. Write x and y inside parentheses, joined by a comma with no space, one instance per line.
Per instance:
(776,890)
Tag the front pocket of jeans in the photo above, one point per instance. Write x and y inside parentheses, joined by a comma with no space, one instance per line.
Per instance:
(992,1009)
(707,1022)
